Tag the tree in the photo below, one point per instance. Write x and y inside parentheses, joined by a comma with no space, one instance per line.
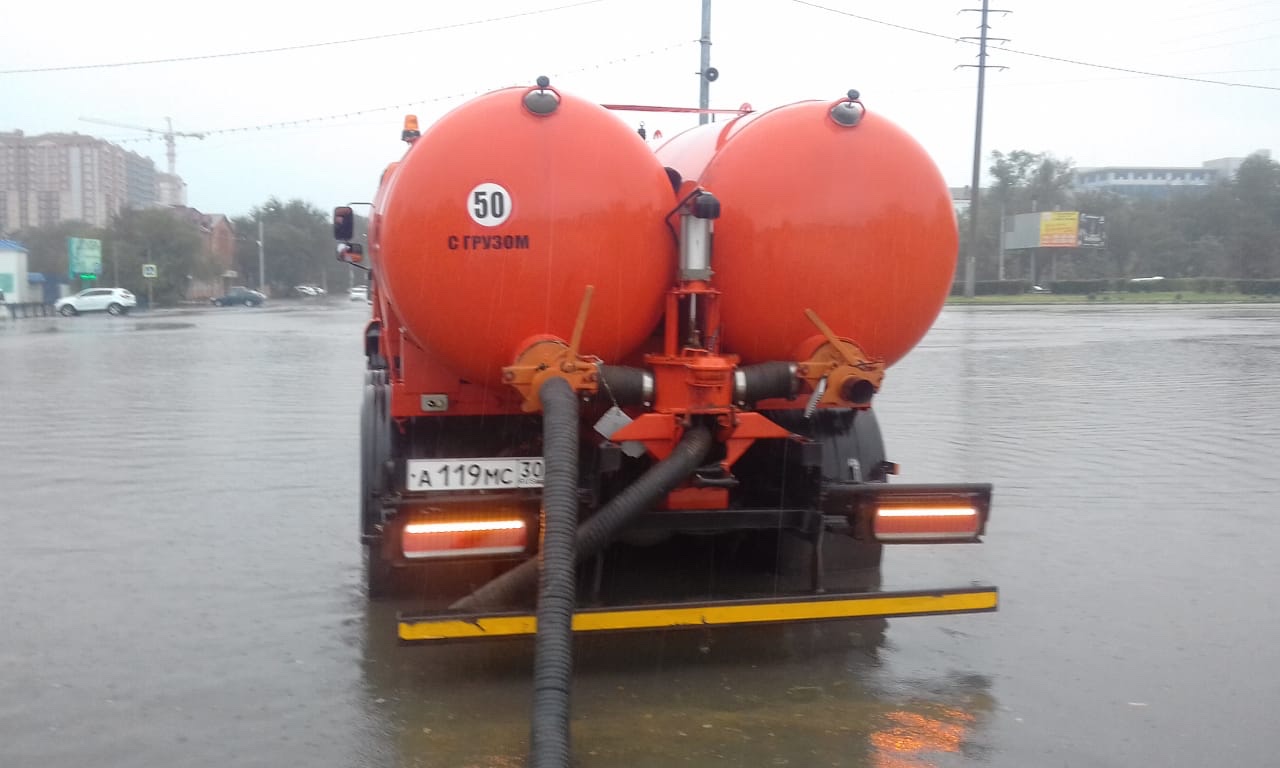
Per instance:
(298,246)
(1024,182)
(155,236)
(47,246)
(1255,236)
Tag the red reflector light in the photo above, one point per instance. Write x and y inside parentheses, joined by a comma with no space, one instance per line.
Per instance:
(926,522)
(465,537)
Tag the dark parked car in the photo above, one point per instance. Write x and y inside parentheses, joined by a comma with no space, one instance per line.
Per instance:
(239,295)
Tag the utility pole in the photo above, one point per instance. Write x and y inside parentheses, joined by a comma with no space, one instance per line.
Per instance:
(262,263)
(706,73)
(975,191)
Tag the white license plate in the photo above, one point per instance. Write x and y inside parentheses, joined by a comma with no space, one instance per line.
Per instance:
(473,474)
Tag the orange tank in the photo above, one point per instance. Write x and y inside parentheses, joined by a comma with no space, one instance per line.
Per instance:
(852,221)
(489,230)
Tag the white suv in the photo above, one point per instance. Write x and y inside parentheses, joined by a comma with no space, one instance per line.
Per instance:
(113,301)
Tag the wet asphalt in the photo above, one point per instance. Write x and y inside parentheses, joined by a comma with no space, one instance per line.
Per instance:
(180,581)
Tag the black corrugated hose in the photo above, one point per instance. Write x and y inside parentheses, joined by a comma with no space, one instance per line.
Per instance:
(655,483)
(564,544)
(553,644)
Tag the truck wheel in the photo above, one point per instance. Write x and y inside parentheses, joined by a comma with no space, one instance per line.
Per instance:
(852,452)
(861,442)
(375,451)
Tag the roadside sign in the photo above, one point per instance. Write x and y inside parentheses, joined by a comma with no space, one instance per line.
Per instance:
(148,270)
(84,258)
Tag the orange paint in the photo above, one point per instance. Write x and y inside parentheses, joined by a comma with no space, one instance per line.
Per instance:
(569,199)
(853,222)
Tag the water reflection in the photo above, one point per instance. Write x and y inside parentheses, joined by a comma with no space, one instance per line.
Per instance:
(789,695)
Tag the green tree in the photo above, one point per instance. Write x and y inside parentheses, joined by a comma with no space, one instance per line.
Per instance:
(1255,236)
(1024,182)
(298,246)
(47,246)
(155,236)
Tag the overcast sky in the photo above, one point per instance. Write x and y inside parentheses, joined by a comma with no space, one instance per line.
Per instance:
(769,52)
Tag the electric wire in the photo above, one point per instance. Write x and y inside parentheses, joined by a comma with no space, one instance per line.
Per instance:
(1060,59)
(417,102)
(299,47)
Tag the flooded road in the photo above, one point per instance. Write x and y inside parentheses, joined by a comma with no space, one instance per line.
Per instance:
(181,577)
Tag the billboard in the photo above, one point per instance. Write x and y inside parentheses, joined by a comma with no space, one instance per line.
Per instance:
(1093,231)
(84,258)
(1059,229)
(1054,229)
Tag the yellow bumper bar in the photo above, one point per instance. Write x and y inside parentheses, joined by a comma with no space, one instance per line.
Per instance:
(415,629)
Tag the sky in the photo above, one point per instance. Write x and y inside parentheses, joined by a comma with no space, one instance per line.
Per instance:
(429,57)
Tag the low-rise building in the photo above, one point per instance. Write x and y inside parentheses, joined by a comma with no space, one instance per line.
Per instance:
(1157,182)
(13,274)
(218,239)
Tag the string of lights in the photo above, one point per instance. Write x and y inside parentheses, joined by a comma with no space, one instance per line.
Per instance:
(299,47)
(419,102)
(1060,59)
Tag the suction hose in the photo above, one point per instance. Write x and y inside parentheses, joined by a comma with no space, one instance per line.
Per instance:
(594,534)
(563,544)
(553,644)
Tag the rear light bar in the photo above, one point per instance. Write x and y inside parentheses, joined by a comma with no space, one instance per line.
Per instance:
(923,514)
(460,538)
(893,523)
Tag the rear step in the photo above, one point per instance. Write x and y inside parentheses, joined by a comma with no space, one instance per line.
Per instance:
(446,627)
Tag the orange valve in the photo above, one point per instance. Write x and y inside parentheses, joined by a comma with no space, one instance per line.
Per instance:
(837,370)
(548,357)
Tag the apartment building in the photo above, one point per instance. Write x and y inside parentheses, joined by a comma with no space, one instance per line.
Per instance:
(55,177)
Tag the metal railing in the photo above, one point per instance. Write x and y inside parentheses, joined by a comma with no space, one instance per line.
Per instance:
(29,309)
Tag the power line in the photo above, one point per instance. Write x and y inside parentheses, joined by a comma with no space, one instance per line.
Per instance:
(1227,44)
(1060,59)
(1144,73)
(300,47)
(882,23)
(1198,35)
(1217,11)
(418,102)
(1042,83)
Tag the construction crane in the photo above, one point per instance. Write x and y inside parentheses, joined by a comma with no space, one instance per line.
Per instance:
(169,135)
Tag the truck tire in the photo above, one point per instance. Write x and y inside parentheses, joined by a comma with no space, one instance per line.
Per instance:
(375,451)
(853,452)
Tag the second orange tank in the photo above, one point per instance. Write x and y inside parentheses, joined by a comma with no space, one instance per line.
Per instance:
(829,207)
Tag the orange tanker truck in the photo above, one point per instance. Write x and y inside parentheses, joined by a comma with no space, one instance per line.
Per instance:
(726,306)
(582,350)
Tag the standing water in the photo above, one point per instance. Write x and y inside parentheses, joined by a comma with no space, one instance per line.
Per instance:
(181,576)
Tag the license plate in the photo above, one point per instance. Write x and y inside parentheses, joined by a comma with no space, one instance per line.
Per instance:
(474,474)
